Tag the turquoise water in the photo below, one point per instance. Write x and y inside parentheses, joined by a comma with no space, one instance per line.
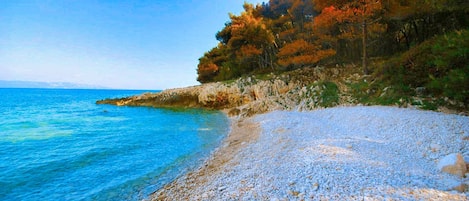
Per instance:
(59,145)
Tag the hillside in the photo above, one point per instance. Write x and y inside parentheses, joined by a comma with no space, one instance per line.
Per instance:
(269,58)
(301,89)
(279,36)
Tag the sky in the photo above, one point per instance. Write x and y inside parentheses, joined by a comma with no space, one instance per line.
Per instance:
(122,44)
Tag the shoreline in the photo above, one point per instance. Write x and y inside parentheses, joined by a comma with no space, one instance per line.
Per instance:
(263,157)
(243,130)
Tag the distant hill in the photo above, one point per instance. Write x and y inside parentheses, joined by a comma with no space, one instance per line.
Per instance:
(56,85)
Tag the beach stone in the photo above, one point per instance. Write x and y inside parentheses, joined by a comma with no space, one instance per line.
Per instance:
(435,147)
(420,90)
(294,193)
(453,164)
(234,112)
(204,195)
(461,188)
(315,187)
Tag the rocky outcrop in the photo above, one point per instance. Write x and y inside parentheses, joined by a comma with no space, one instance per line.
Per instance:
(302,89)
(453,164)
(182,97)
(456,164)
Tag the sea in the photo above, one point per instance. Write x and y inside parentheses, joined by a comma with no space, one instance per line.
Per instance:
(57,144)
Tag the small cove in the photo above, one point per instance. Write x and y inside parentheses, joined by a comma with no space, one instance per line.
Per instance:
(59,145)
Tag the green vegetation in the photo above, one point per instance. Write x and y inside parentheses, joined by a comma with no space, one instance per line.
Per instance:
(438,67)
(330,94)
(323,94)
(411,52)
(284,35)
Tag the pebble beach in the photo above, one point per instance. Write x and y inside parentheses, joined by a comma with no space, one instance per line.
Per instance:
(342,153)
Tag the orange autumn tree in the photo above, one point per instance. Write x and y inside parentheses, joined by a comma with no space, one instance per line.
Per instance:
(248,41)
(209,65)
(300,47)
(206,71)
(245,46)
(342,23)
(281,35)
(300,53)
(301,12)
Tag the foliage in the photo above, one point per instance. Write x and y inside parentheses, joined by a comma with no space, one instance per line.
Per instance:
(441,65)
(324,93)
(301,53)
(330,94)
(286,34)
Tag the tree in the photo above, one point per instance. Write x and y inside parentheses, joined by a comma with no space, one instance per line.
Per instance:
(248,40)
(348,20)
(301,53)
(413,22)
(300,12)
(246,44)
(296,33)
(277,8)
(211,64)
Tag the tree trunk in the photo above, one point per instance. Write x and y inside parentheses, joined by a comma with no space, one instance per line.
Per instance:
(364,38)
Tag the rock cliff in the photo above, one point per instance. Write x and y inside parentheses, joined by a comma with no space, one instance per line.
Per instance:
(302,89)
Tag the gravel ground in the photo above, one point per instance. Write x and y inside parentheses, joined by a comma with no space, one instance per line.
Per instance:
(344,153)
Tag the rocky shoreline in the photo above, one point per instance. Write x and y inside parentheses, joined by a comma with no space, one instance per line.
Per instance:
(243,132)
(228,173)
(301,89)
(342,153)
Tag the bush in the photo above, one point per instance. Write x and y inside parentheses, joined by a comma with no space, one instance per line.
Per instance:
(440,64)
(330,94)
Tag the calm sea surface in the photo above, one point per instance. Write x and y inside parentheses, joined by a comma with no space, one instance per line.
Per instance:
(59,145)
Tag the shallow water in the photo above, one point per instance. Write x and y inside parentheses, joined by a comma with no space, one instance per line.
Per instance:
(59,145)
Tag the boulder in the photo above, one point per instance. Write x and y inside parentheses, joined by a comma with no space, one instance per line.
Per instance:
(453,164)
(461,188)
(234,112)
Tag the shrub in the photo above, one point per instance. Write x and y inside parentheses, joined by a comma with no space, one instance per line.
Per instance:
(330,94)
(440,64)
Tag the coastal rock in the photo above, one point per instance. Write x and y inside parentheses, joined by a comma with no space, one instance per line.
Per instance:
(465,136)
(315,187)
(234,112)
(251,95)
(221,188)
(461,188)
(453,164)
(435,147)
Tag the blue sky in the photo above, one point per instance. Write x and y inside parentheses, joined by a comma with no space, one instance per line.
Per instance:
(148,44)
